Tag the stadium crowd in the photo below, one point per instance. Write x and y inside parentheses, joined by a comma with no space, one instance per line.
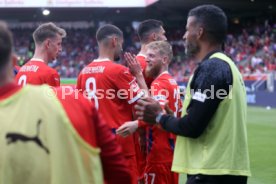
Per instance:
(253,49)
(143,151)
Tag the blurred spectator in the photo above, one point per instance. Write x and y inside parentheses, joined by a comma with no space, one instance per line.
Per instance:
(253,49)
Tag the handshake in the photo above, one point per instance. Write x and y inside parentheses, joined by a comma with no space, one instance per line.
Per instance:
(146,110)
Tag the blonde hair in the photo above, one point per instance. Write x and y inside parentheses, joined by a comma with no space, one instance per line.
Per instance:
(163,47)
(47,30)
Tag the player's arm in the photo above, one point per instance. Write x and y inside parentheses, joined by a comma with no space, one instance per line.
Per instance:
(136,71)
(114,165)
(79,80)
(201,109)
(130,127)
(53,79)
(126,82)
(127,128)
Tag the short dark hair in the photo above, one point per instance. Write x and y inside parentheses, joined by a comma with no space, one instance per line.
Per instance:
(6,43)
(147,27)
(47,30)
(213,20)
(108,30)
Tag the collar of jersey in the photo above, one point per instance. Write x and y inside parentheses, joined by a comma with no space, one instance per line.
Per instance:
(37,59)
(102,60)
(165,72)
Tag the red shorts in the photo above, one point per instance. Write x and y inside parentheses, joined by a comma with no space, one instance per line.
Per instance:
(132,168)
(160,174)
(140,157)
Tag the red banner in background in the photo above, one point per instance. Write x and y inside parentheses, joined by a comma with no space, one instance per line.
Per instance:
(255,77)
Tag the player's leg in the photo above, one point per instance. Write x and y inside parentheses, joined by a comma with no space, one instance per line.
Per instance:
(132,168)
(128,148)
(140,156)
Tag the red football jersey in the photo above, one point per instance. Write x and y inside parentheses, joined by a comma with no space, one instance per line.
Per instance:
(113,90)
(37,72)
(140,155)
(142,60)
(161,143)
(96,133)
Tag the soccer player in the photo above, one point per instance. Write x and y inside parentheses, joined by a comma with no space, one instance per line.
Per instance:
(148,31)
(211,144)
(63,140)
(163,89)
(48,39)
(104,81)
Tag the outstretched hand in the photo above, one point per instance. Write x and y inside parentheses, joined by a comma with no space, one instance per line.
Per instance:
(127,128)
(133,65)
(147,109)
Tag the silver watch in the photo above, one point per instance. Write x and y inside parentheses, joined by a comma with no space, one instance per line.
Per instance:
(158,117)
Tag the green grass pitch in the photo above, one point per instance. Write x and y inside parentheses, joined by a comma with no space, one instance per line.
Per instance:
(261,125)
(68,81)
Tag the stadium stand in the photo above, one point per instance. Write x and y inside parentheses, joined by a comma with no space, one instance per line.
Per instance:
(253,48)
